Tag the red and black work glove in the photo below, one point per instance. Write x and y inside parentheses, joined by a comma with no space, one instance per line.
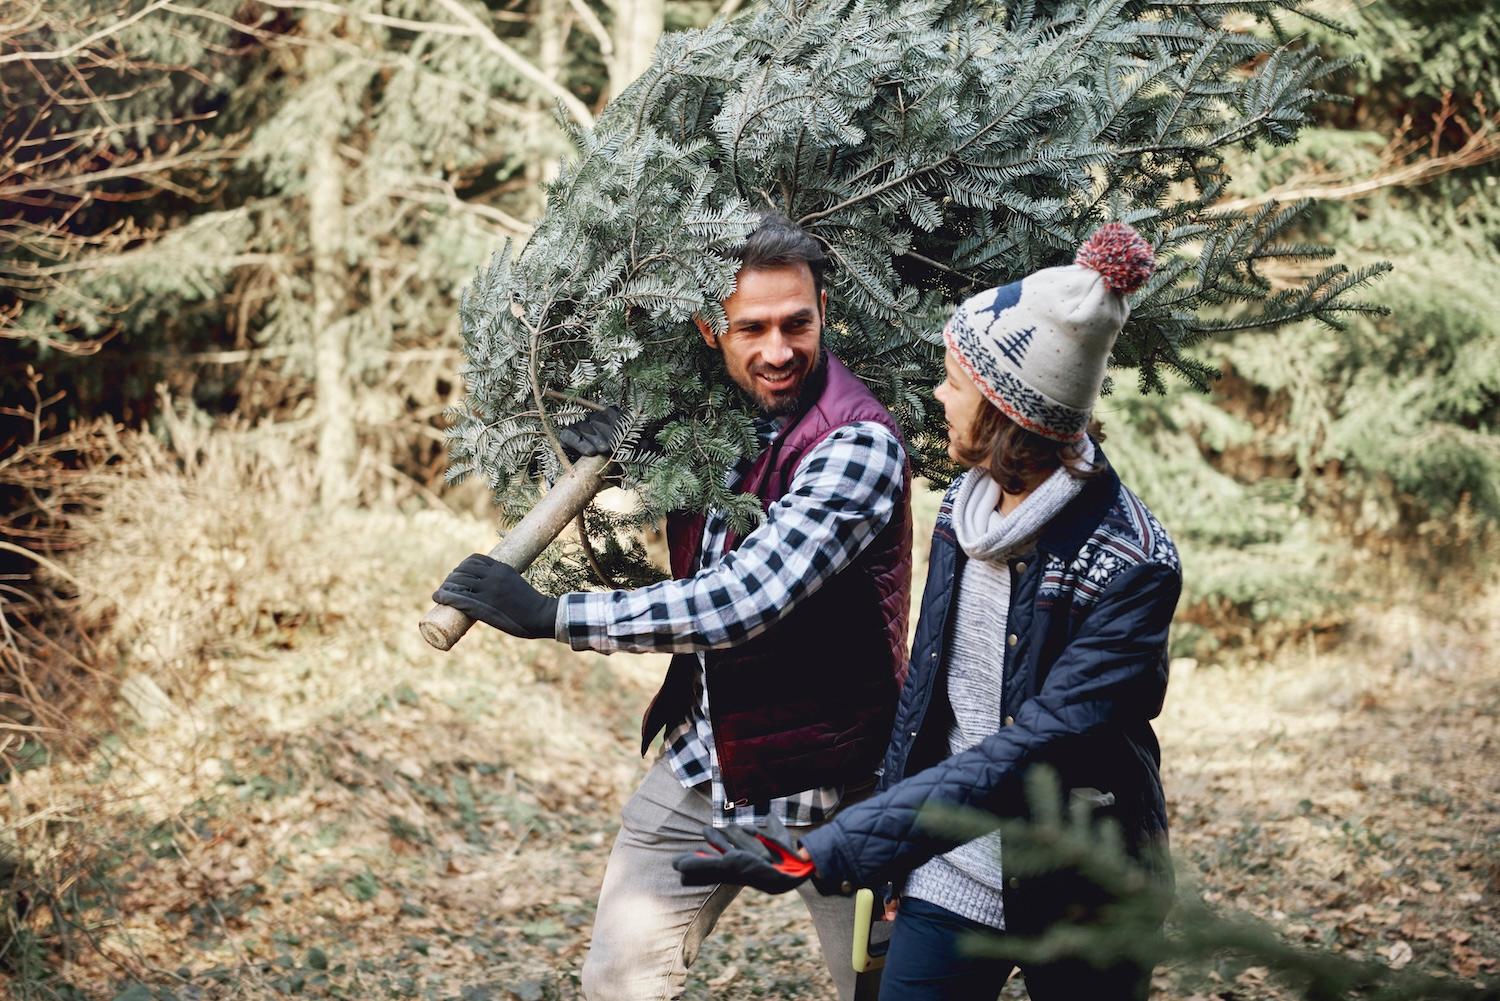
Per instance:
(765,858)
(489,591)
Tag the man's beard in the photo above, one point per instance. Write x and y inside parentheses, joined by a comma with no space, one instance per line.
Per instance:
(790,403)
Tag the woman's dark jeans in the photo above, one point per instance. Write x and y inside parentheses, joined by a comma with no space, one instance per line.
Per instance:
(925,964)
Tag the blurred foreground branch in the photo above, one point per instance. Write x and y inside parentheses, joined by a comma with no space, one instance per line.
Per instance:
(1084,855)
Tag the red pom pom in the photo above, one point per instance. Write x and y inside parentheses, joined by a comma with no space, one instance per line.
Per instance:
(1120,254)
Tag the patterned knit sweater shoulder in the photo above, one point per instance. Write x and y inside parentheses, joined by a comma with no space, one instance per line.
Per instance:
(967,880)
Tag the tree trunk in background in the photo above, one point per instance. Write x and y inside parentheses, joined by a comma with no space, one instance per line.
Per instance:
(638,24)
(554,23)
(334,399)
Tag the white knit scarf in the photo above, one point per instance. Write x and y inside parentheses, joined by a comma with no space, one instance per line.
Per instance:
(986,534)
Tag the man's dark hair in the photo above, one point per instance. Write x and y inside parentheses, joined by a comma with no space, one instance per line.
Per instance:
(778,242)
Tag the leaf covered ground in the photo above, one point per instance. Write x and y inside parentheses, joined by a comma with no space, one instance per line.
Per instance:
(335,810)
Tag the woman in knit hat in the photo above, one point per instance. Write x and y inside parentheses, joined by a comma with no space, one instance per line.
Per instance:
(1042,640)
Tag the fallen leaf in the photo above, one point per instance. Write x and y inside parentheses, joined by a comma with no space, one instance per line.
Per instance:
(1399,954)
(730,972)
(1468,962)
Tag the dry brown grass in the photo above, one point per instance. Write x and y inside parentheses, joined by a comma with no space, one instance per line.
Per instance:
(283,644)
(48,662)
(1351,797)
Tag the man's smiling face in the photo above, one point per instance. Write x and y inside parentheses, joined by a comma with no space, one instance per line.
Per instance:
(775,332)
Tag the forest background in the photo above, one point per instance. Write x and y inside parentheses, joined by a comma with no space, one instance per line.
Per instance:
(233,238)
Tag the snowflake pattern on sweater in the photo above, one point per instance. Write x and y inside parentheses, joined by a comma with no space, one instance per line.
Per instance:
(1128,536)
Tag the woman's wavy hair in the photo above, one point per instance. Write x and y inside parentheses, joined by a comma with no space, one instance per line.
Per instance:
(1019,459)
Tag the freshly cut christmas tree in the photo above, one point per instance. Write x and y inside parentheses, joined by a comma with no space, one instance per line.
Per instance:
(934,147)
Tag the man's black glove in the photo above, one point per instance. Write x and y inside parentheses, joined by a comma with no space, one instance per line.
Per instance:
(766,859)
(492,592)
(596,434)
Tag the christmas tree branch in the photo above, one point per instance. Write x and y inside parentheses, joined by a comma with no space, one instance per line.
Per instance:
(533,367)
(1038,75)
(1121,902)
(967,279)
(589,554)
(576,401)
(929,150)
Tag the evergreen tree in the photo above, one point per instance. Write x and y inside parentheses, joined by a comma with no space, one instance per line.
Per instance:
(103,111)
(1335,466)
(934,147)
(304,189)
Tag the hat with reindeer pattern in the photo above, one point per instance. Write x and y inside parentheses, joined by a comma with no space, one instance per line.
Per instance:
(1037,348)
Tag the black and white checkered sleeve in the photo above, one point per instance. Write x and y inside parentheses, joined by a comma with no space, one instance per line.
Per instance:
(844,492)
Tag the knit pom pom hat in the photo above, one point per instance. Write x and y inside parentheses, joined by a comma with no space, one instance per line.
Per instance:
(1037,348)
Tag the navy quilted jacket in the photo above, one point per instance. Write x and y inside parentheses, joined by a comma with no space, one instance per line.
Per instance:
(1085,671)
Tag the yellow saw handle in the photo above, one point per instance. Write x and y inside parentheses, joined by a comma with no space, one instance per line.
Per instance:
(868,953)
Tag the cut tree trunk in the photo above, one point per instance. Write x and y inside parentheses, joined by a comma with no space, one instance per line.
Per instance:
(444,625)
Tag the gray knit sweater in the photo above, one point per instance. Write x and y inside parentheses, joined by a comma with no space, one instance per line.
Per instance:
(968,879)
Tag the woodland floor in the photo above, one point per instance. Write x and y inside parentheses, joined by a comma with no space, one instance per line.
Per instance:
(346,813)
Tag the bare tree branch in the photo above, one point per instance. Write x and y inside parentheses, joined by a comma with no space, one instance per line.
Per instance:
(519,63)
(79,46)
(471,26)
(1476,152)
(440,191)
(1481,146)
(596,27)
(112,173)
(328,7)
(354,52)
(384,20)
(26,22)
(102,262)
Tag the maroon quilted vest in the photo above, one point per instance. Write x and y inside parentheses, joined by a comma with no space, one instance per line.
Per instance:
(808,702)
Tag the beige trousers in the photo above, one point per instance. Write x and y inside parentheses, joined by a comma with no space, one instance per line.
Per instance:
(649,927)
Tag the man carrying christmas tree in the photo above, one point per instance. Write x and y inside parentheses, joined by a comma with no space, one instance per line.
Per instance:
(790,640)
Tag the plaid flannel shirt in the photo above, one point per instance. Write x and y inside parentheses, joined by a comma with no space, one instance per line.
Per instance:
(844,493)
